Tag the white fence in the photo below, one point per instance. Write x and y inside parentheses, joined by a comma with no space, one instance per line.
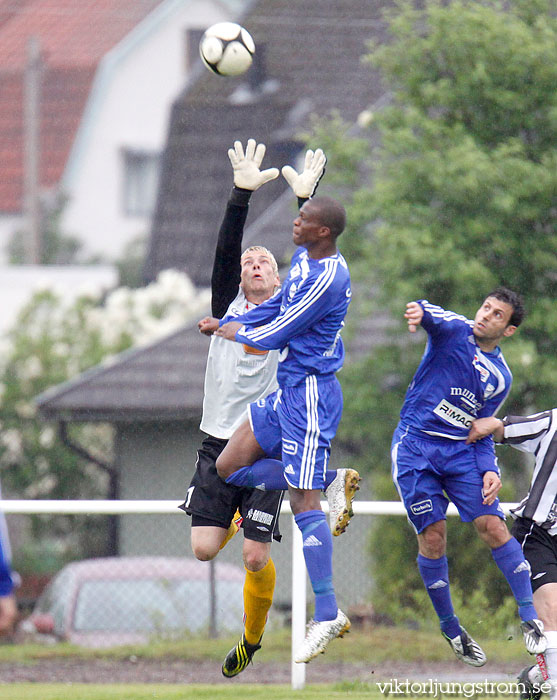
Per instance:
(298,671)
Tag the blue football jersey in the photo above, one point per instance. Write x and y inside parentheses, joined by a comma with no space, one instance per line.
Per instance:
(303,320)
(456,381)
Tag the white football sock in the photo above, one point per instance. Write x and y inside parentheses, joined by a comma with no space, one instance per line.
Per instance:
(535,675)
(551,661)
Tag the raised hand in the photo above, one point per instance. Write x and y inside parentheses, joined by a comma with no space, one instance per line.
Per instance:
(305,183)
(246,166)
(414,314)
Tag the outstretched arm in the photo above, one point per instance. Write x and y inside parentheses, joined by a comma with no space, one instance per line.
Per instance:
(526,432)
(436,321)
(260,314)
(226,266)
(225,277)
(309,303)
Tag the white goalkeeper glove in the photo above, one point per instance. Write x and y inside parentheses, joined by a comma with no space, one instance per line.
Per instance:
(305,183)
(247,174)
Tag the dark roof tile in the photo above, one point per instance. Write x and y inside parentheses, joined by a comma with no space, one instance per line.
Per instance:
(163,380)
(312,52)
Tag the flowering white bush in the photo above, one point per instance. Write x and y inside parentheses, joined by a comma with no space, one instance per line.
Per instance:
(145,314)
(53,340)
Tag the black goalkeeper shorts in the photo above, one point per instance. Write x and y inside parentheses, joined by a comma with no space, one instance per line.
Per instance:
(212,502)
(540,550)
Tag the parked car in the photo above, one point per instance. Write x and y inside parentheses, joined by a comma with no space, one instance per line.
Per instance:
(129,600)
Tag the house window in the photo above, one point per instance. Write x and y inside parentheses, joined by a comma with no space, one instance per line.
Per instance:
(141,178)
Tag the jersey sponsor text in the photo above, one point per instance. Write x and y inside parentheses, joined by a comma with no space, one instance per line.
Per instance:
(453,415)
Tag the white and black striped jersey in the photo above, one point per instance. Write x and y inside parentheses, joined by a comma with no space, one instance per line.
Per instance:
(537,434)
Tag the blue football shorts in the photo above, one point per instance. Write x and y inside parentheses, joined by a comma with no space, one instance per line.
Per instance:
(6,580)
(429,471)
(296,425)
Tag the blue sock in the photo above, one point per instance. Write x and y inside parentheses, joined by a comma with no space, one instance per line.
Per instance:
(268,475)
(510,559)
(318,553)
(435,575)
(265,474)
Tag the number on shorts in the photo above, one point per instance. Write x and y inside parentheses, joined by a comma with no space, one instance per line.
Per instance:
(188,496)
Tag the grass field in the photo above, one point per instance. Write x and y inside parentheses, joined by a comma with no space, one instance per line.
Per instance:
(33,691)
(369,647)
(378,644)
(28,691)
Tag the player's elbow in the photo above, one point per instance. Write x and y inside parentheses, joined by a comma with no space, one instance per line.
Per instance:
(223,469)
(256,345)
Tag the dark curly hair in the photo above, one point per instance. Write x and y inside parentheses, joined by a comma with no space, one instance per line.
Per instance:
(514,300)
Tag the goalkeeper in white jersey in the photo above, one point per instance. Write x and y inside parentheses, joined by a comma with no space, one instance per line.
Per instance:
(235,376)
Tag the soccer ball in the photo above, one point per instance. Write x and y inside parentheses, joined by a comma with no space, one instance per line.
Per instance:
(227,48)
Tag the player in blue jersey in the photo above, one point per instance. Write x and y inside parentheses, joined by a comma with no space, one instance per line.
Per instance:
(8,604)
(462,376)
(297,423)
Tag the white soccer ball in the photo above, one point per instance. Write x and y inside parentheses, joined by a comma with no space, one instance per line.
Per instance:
(227,48)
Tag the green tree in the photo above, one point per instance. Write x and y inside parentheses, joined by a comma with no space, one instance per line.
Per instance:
(53,340)
(462,197)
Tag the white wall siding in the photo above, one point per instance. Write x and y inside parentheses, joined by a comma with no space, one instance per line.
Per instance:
(128,109)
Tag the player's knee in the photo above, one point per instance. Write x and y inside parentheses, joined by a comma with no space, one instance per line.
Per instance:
(255,558)
(550,616)
(8,614)
(432,542)
(204,551)
(203,554)
(546,605)
(433,549)
(492,530)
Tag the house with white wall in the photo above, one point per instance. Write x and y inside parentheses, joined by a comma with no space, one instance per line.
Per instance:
(108,74)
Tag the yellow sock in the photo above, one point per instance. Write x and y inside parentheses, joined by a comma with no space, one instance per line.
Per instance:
(233,528)
(258,597)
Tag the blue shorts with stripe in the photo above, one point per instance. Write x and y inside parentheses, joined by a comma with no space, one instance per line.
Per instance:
(426,470)
(296,424)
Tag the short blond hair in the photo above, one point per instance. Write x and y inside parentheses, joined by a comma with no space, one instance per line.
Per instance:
(265,251)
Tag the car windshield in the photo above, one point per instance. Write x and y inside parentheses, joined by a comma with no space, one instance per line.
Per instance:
(147,605)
